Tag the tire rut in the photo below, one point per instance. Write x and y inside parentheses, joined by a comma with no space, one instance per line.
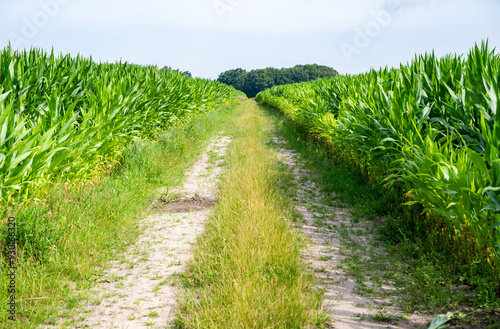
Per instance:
(332,234)
(138,290)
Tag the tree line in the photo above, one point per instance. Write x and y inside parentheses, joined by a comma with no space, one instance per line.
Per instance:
(251,83)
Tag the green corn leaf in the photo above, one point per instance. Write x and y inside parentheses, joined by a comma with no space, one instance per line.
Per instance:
(442,321)
(478,161)
(4,95)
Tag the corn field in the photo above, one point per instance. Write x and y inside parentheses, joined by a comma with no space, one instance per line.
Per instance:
(65,118)
(431,126)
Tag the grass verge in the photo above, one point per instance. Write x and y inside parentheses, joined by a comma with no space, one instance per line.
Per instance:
(67,235)
(247,271)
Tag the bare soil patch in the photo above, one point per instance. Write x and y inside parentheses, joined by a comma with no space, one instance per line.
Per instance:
(183,204)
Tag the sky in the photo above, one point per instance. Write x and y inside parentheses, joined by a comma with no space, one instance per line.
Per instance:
(207,37)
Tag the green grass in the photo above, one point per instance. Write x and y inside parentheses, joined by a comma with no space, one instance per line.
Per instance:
(382,317)
(68,234)
(247,271)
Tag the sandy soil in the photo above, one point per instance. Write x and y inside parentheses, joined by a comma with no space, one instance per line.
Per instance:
(327,249)
(138,290)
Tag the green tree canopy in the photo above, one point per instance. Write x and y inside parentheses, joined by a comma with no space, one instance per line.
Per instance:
(253,82)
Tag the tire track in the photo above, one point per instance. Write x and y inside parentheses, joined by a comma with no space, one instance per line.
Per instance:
(138,291)
(330,230)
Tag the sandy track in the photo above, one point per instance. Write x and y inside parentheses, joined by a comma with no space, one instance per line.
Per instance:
(327,250)
(137,291)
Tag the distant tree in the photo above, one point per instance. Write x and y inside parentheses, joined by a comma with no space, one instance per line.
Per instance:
(230,77)
(256,81)
(299,74)
(239,82)
(283,77)
(251,83)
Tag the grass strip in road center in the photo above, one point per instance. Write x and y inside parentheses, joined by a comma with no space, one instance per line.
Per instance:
(247,270)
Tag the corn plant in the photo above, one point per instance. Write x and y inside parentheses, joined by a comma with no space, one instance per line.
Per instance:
(65,118)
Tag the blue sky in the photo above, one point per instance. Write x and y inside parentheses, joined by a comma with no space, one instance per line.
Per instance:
(207,37)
